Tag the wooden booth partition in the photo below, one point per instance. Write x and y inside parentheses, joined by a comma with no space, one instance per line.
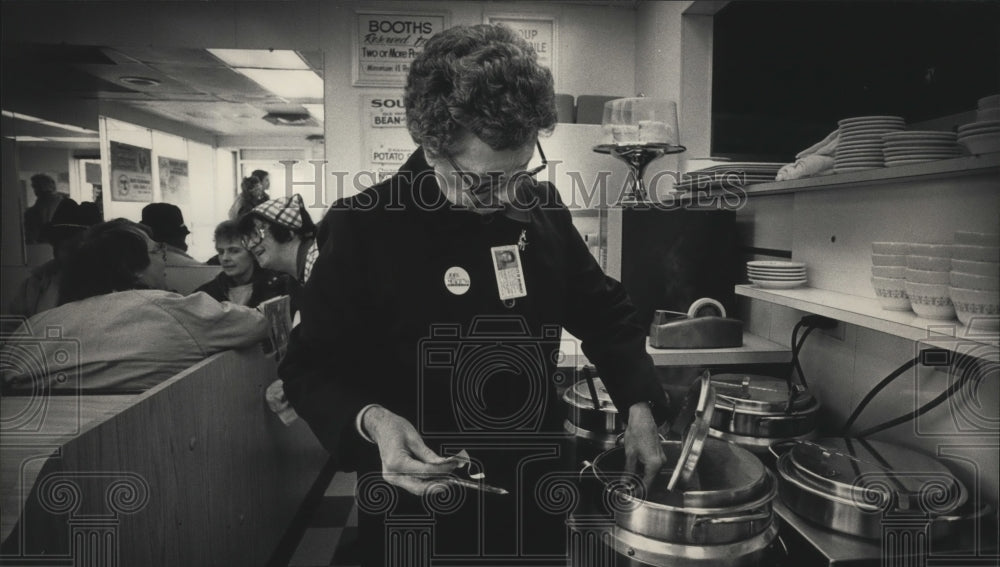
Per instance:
(196,471)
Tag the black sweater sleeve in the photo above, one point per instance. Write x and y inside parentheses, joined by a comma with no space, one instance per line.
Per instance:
(601,315)
(323,370)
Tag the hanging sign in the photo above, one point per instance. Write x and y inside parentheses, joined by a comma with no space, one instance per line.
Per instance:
(385,43)
(131,173)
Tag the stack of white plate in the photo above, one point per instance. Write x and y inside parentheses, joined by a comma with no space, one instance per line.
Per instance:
(860,143)
(981,137)
(776,274)
(915,146)
(729,175)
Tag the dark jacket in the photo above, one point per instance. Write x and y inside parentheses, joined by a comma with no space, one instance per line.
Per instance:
(379,325)
(266,285)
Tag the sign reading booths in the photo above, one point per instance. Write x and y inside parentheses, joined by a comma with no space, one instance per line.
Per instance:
(539,30)
(387,141)
(385,43)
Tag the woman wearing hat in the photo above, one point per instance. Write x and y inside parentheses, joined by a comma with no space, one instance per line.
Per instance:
(40,291)
(281,235)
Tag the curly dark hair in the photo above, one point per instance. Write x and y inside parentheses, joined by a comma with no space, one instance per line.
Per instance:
(108,259)
(484,79)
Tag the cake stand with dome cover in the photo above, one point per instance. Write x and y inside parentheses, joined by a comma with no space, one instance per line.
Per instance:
(637,131)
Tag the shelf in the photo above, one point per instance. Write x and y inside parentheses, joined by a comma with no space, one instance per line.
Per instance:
(755,350)
(945,169)
(866,312)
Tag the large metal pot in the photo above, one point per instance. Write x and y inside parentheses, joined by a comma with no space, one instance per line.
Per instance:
(751,405)
(728,499)
(591,415)
(856,486)
(636,550)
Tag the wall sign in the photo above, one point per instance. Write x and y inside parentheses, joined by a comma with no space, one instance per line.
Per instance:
(385,43)
(174,181)
(131,173)
(387,141)
(541,31)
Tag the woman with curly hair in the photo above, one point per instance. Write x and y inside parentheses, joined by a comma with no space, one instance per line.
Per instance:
(131,333)
(463,254)
(252,193)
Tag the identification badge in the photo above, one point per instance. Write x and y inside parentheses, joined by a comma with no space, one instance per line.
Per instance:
(508,270)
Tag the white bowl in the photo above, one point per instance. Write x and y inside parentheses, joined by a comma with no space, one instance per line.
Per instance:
(930,263)
(888,259)
(898,272)
(976,308)
(973,281)
(927,276)
(981,143)
(989,101)
(976,253)
(926,249)
(930,301)
(890,247)
(891,293)
(991,269)
(977,238)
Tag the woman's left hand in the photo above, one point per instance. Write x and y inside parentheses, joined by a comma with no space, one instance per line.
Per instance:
(642,445)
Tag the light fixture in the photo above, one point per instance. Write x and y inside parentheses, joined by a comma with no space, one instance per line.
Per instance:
(290,119)
(261,58)
(288,84)
(137,81)
(36,120)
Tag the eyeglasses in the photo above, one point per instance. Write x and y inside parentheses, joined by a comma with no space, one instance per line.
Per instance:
(254,238)
(484,185)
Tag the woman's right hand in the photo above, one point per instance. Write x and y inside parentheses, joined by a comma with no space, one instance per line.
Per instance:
(407,462)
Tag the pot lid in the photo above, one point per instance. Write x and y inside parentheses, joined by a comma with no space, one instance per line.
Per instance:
(696,418)
(581,396)
(877,474)
(759,394)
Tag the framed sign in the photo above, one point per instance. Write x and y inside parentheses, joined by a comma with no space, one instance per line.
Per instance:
(387,141)
(131,173)
(174,181)
(541,31)
(385,43)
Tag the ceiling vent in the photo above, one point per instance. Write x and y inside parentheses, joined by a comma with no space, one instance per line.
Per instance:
(290,119)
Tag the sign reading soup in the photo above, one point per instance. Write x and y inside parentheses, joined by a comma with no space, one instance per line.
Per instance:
(539,31)
(386,43)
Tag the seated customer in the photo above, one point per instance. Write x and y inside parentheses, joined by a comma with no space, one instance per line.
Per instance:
(282,236)
(167,224)
(242,281)
(128,333)
(40,290)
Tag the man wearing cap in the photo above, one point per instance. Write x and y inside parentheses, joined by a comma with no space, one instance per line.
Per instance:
(167,223)
(281,235)
(40,291)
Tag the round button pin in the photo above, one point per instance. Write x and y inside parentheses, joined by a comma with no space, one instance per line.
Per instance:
(456,279)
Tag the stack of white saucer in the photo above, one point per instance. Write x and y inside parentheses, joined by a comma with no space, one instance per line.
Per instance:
(776,274)
(860,143)
(915,146)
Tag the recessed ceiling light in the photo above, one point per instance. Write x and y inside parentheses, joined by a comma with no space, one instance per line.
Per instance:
(288,84)
(137,81)
(261,58)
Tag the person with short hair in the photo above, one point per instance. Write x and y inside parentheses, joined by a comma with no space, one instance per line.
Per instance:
(242,280)
(252,193)
(48,200)
(265,179)
(281,235)
(416,342)
(167,223)
(130,333)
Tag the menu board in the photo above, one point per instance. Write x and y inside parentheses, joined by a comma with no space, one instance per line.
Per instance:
(174,181)
(131,173)
(538,30)
(385,43)
(387,141)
